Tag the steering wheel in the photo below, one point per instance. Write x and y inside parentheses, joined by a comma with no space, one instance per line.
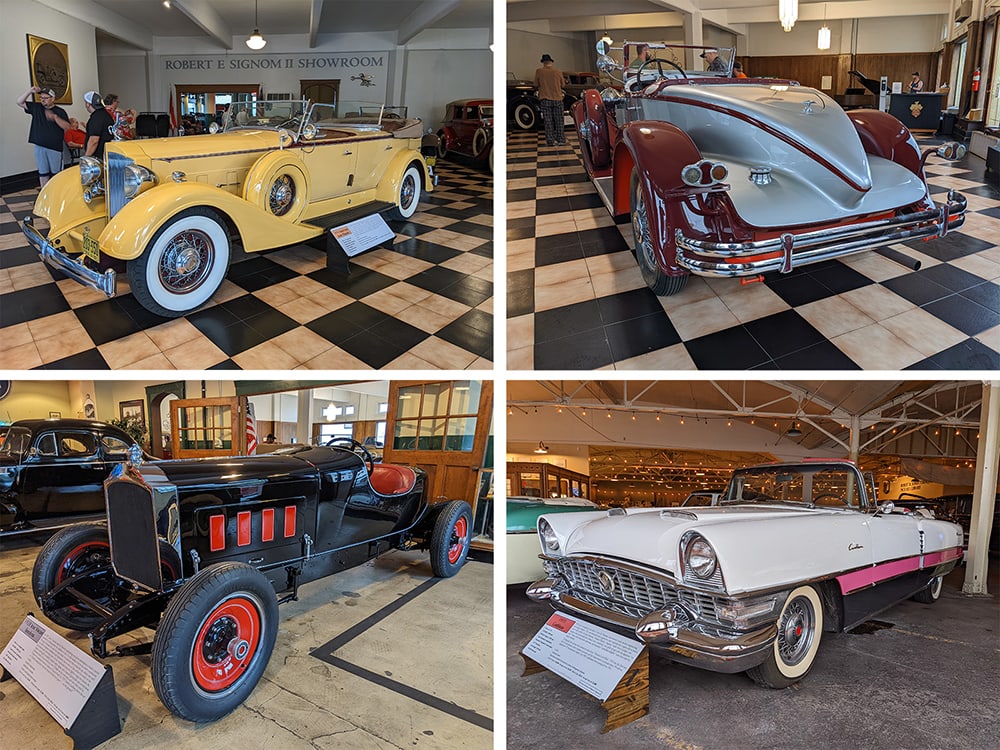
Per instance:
(356,447)
(392,116)
(659,68)
(837,500)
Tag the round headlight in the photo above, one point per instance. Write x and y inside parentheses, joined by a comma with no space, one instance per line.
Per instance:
(134,177)
(90,170)
(549,540)
(701,558)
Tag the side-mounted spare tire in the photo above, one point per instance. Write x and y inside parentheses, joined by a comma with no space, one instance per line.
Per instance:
(450,538)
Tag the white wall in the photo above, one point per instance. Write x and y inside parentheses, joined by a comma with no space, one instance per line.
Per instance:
(875,35)
(434,68)
(525,47)
(17,19)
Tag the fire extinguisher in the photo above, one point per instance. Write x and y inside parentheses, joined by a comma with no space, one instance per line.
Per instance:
(975,80)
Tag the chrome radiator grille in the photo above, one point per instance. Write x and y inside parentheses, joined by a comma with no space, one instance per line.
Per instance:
(115,182)
(627,592)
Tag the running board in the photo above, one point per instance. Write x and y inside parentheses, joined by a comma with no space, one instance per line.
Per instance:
(605,189)
(41,527)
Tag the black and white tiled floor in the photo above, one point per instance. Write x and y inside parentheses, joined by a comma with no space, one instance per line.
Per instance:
(425,304)
(576,300)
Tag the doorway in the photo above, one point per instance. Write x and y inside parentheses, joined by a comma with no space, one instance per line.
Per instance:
(321,92)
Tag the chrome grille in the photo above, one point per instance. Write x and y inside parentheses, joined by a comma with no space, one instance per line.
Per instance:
(633,594)
(115,182)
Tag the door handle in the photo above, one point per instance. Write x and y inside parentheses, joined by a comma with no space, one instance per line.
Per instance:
(348,152)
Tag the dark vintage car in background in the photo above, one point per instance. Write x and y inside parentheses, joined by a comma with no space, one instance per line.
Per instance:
(467,129)
(725,177)
(52,472)
(524,112)
(204,551)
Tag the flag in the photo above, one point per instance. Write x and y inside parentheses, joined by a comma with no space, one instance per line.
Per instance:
(251,431)
(173,117)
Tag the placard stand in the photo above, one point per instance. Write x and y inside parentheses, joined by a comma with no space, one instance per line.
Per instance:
(99,720)
(628,701)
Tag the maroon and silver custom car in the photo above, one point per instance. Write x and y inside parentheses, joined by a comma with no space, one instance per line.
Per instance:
(204,550)
(732,177)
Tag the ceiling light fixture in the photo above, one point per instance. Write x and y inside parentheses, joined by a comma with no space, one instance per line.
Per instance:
(256,41)
(607,37)
(823,38)
(542,447)
(788,13)
(794,431)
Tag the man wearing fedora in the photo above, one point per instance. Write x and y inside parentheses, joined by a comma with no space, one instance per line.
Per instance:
(549,81)
(46,133)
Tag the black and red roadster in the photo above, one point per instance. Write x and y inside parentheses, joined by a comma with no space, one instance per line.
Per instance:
(204,550)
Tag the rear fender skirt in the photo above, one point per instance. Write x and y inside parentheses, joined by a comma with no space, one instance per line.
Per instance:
(883,135)
(876,575)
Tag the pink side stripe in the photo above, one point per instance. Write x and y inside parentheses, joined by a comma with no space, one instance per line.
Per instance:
(859,579)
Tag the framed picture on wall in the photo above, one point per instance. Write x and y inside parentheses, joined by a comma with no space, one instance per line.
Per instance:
(55,415)
(49,65)
(133,410)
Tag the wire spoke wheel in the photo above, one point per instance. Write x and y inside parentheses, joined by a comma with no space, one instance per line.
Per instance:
(186,262)
(795,631)
(282,195)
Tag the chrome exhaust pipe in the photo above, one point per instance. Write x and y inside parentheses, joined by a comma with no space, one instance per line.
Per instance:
(903,260)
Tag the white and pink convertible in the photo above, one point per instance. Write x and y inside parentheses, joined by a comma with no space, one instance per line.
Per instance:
(750,584)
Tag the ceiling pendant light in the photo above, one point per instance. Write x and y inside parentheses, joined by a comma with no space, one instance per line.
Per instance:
(823,39)
(256,41)
(607,37)
(788,13)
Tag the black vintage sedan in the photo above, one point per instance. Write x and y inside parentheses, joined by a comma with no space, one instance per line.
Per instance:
(204,550)
(52,472)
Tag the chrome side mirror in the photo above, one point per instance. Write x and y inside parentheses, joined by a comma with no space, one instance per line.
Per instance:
(886,508)
(285,138)
(606,63)
(602,47)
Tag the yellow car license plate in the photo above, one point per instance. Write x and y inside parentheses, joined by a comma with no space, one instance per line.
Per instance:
(90,248)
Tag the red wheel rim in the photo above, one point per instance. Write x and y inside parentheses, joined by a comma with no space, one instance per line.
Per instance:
(226,644)
(71,564)
(459,534)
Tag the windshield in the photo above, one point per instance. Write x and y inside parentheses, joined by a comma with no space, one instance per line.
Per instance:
(486,111)
(823,485)
(284,114)
(17,442)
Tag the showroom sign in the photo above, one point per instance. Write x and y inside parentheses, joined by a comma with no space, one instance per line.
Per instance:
(275,62)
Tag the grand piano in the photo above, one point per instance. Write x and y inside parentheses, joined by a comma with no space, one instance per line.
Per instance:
(863,96)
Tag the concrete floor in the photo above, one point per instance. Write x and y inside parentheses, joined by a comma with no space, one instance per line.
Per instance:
(930,680)
(421,677)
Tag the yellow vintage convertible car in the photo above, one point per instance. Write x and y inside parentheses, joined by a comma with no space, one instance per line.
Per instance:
(168,211)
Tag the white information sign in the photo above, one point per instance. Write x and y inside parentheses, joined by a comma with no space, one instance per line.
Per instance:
(58,675)
(592,658)
(362,234)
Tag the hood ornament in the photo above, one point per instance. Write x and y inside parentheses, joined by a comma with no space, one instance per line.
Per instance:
(760,175)
(807,107)
(607,581)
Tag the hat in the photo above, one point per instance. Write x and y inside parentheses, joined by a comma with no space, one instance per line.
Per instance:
(713,51)
(48,92)
(94,99)
(547,58)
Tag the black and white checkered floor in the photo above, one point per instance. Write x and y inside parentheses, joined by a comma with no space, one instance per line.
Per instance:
(425,304)
(576,300)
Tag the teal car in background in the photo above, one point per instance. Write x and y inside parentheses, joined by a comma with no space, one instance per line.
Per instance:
(523,565)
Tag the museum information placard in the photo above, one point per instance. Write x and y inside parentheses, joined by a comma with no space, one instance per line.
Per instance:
(56,673)
(592,658)
(357,236)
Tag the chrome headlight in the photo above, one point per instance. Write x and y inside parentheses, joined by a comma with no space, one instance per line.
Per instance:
(699,557)
(90,170)
(550,543)
(135,176)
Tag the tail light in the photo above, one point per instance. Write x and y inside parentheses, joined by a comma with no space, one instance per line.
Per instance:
(704,173)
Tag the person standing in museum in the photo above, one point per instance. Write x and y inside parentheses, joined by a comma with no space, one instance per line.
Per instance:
(713,61)
(98,126)
(916,85)
(642,55)
(46,132)
(738,70)
(549,82)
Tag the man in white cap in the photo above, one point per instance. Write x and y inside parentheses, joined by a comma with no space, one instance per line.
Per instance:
(46,134)
(714,62)
(98,126)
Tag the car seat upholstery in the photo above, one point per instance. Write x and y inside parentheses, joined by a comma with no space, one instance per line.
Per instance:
(392,479)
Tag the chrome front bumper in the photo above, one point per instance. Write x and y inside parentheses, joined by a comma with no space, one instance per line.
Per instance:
(722,259)
(75,269)
(673,629)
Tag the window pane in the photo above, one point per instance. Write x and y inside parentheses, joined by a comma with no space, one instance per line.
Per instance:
(466,397)
(405,437)
(47,444)
(431,435)
(114,447)
(461,434)
(435,402)
(408,405)
(76,444)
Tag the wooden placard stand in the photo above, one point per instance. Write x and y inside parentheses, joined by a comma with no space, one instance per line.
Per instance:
(628,701)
